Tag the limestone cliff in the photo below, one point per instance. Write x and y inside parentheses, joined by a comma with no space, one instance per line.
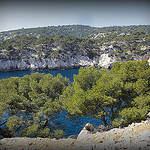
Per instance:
(134,137)
(72,46)
(56,63)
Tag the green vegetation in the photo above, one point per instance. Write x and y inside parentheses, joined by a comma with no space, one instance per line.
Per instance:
(127,46)
(31,103)
(122,94)
(75,30)
(119,97)
(53,46)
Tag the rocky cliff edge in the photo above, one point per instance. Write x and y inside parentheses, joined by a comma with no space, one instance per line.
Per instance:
(134,137)
(52,63)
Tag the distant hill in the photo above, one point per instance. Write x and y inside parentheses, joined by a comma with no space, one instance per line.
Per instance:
(73,46)
(74,30)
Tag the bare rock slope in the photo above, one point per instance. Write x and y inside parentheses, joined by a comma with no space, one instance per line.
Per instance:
(135,136)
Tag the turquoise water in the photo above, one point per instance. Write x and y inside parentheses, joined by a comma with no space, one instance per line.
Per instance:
(73,126)
(65,73)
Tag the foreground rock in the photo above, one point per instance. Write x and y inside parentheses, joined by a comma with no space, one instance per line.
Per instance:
(135,136)
(91,129)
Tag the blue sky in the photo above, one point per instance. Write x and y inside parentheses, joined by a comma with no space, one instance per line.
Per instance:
(16,14)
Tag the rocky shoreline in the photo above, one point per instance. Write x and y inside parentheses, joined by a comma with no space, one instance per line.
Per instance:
(134,137)
(51,64)
(103,61)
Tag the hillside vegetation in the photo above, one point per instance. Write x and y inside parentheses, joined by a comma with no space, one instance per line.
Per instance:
(74,30)
(121,43)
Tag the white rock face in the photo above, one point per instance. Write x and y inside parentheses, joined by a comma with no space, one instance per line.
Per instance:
(105,61)
(135,136)
(149,61)
(52,63)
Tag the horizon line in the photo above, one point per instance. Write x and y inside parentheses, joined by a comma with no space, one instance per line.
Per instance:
(26,28)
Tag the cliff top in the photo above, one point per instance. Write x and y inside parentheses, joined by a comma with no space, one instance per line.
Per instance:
(135,136)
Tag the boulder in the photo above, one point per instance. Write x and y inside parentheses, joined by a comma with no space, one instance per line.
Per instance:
(88,128)
(91,129)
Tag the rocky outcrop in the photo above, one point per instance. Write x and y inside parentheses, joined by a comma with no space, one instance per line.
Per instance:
(134,137)
(105,61)
(53,63)
(91,129)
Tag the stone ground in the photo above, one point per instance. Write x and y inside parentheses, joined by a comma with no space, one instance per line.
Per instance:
(135,136)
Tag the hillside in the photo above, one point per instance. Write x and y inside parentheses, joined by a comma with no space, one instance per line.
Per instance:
(135,137)
(74,30)
(72,46)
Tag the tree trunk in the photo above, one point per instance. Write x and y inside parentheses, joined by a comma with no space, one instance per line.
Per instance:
(45,124)
(113,116)
(104,120)
(3,123)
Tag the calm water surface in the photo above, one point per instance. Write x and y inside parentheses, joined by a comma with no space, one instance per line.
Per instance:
(65,73)
(73,126)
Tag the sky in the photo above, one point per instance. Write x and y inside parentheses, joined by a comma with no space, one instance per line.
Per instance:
(15,14)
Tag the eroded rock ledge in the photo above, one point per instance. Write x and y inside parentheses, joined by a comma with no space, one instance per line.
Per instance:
(135,136)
